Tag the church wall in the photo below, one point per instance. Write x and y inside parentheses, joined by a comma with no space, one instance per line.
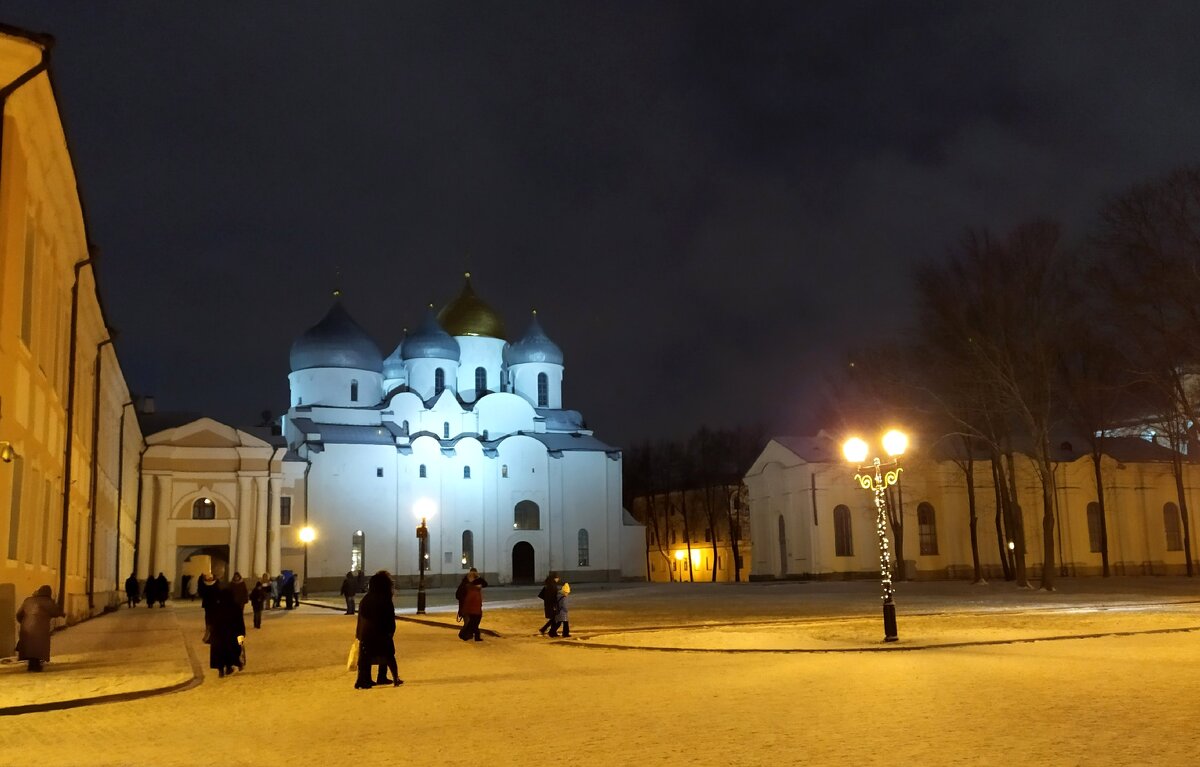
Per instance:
(524,377)
(332,387)
(479,351)
(504,414)
(421,375)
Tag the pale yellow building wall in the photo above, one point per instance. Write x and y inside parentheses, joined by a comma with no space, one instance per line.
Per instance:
(42,238)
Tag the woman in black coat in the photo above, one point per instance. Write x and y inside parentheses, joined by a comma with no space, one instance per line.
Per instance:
(375,631)
(549,597)
(224,650)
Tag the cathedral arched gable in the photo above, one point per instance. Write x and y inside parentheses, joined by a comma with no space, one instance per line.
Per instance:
(404,406)
(504,413)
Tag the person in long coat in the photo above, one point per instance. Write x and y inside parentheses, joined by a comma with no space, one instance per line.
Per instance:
(258,595)
(131,590)
(349,591)
(150,590)
(208,589)
(563,615)
(241,595)
(224,650)
(35,615)
(375,633)
(470,604)
(549,597)
(162,589)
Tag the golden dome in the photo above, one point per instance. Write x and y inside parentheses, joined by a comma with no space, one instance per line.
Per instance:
(467,315)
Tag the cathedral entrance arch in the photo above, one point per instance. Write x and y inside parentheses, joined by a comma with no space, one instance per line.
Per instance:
(194,561)
(522,563)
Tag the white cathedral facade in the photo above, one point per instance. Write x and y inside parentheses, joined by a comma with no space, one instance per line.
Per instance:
(457,428)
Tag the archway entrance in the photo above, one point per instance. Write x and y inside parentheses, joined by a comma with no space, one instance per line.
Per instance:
(194,561)
(522,563)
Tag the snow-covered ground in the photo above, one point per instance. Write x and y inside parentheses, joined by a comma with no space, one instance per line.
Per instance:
(1118,695)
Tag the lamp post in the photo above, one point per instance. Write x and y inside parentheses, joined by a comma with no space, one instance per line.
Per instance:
(307,536)
(877,476)
(423,509)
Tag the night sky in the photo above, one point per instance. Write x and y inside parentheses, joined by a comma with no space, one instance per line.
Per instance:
(707,203)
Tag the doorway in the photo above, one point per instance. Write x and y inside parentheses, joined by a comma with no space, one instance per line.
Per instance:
(522,563)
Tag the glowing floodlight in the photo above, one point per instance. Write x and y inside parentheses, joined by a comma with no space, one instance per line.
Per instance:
(424,508)
(307,535)
(895,442)
(855,450)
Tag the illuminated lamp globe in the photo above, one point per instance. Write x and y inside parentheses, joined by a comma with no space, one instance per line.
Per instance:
(895,442)
(855,450)
(307,535)
(680,555)
(424,508)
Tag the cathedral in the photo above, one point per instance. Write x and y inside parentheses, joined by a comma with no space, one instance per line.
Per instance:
(453,451)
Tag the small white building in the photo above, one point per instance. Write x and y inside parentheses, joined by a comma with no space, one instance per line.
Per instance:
(810,519)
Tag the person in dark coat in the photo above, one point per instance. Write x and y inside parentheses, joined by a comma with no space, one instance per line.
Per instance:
(162,589)
(150,590)
(562,616)
(131,590)
(289,590)
(185,587)
(549,597)
(276,591)
(207,588)
(258,596)
(224,649)
(35,616)
(470,604)
(375,633)
(349,591)
(241,595)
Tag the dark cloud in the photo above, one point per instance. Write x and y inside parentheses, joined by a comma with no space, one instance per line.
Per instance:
(706,202)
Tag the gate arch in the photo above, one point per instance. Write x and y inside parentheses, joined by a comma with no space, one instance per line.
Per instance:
(522,562)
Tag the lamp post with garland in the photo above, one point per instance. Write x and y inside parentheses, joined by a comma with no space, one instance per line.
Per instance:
(424,509)
(877,476)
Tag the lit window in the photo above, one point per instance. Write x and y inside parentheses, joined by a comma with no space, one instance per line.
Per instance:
(526,516)
(543,390)
(204,508)
(927,524)
(357,548)
(843,540)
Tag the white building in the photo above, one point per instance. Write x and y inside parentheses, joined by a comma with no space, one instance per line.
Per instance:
(456,425)
(810,519)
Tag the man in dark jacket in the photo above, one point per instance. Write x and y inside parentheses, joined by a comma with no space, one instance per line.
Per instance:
(131,590)
(549,597)
(349,589)
(470,604)
(162,589)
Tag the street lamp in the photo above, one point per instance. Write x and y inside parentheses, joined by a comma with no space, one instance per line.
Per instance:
(877,476)
(424,509)
(307,536)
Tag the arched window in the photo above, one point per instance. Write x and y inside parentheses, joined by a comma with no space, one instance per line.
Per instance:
(439,381)
(354,391)
(466,472)
(927,524)
(526,516)
(468,550)
(445,430)
(583,548)
(543,390)
(204,508)
(843,538)
(480,381)
(406,427)
(1095,526)
(422,470)
(1171,526)
(504,470)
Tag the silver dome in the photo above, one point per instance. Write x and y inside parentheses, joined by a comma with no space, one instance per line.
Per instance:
(534,347)
(430,341)
(337,341)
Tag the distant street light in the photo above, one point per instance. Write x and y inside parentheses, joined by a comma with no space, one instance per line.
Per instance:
(877,476)
(307,536)
(424,509)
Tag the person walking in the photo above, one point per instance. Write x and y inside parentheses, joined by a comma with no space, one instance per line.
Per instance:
(562,616)
(258,595)
(35,615)
(131,590)
(162,589)
(224,648)
(349,590)
(208,589)
(276,591)
(375,632)
(241,595)
(266,582)
(289,590)
(185,587)
(470,604)
(150,590)
(549,597)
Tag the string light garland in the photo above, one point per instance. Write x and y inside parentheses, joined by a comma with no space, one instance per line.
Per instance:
(877,477)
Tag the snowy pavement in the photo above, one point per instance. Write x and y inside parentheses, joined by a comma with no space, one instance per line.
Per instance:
(1099,672)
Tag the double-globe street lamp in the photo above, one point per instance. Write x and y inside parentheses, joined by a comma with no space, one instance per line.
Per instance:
(424,509)
(877,476)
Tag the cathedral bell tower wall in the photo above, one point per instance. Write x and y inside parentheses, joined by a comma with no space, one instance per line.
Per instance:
(336,387)
(422,375)
(479,352)
(524,379)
